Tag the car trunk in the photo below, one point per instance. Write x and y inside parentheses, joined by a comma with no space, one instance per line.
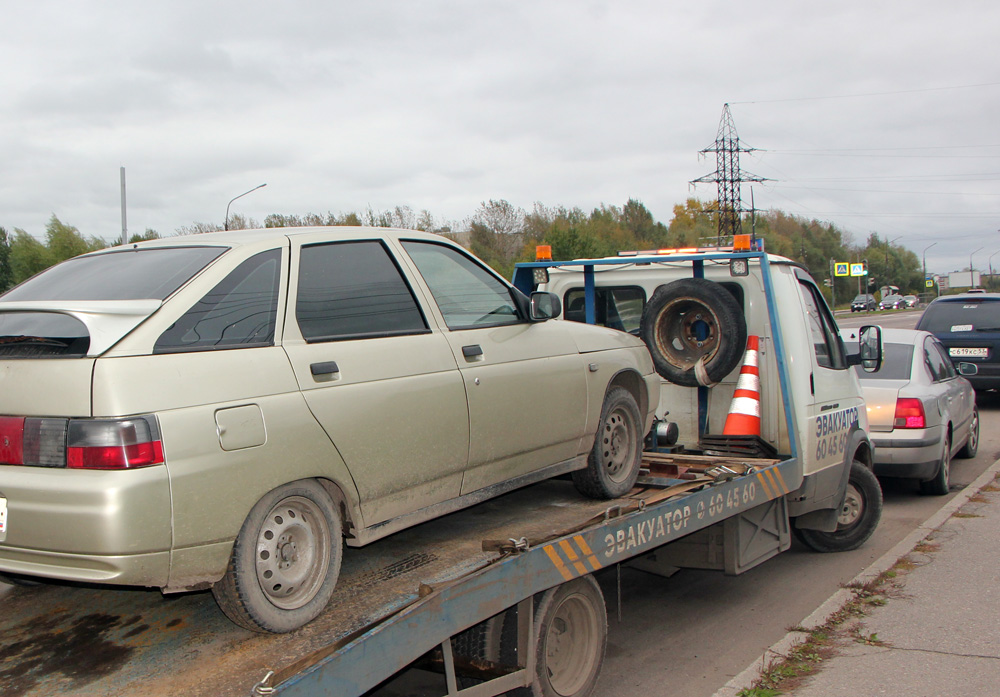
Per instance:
(48,349)
(880,399)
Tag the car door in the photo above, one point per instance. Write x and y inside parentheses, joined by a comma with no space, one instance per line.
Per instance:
(377,374)
(526,381)
(954,400)
(834,402)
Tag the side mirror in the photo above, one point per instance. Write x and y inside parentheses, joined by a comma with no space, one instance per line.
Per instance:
(967,368)
(870,340)
(544,306)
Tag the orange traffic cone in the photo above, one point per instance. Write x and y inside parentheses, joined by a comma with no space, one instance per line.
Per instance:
(744,412)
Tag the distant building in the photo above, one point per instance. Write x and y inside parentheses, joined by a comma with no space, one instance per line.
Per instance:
(963,279)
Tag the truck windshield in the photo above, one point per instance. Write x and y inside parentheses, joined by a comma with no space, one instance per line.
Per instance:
(968,316)
(131,274)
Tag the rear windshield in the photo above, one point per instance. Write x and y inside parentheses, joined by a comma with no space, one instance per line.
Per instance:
(42,334)
(966,316)
(896,360)
(130,274)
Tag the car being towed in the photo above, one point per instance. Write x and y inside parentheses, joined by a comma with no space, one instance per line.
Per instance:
(225,410)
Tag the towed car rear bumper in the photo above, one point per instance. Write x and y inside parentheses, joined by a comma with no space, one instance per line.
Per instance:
(87,525)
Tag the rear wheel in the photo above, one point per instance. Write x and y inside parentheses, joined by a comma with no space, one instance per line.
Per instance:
(614,462)
(941,484)
(285,561)
(971,446)
(858,518)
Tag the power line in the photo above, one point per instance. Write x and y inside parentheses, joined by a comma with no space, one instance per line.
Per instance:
(869,94)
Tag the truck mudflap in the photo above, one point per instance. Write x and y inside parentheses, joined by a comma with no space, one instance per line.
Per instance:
(718,489)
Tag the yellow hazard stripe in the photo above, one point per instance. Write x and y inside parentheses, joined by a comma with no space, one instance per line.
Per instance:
(585,548)
(573,556)
(763,483)
(774,482)
(558,562)
(777,473)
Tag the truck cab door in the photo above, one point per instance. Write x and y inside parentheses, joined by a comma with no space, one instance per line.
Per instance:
(834,403)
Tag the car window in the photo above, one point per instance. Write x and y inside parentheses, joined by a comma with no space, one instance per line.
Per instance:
(132,274)
(942,353)
(466,293)
(897,360)
(826,341)
(977,315)
(937,362)
(239,312)
(349,290)
(616,307)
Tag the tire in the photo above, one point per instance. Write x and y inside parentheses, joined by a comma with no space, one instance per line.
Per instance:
(614,461)
(285,561)
(692,319)
(941,483)
(971,446)
(858,518)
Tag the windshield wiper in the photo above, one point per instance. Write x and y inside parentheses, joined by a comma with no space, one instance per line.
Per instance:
(33,341)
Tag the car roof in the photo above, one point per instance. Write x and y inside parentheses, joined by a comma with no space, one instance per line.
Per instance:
(964,297)
(238,238)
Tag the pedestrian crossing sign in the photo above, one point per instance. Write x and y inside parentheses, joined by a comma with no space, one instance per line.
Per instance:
(858,270)
(840,268)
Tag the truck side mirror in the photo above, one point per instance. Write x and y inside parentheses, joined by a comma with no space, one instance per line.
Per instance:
(870,340)
(544,306)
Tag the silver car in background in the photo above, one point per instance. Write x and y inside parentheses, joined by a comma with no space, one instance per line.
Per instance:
(920,410)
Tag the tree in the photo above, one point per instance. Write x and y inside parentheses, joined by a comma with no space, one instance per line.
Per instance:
(65,241)
(150,234)
(6,274)
(28,256)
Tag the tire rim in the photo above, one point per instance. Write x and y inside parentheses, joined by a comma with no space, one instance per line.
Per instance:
(946,464)
(618,445)
(572,643)
(687,330)
(853,508)
(973,443)
(293,552)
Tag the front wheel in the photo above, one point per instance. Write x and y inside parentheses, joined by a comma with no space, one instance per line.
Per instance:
(859,515)
(285,562)
(615,459)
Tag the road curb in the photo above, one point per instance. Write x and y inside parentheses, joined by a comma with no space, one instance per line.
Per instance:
(835,602)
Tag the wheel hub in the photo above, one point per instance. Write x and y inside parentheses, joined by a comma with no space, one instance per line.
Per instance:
(853,507)
(292,552)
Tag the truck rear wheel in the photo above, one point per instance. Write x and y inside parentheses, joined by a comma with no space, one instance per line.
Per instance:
(615,459)
(859,515)
(285,561)
(692,320)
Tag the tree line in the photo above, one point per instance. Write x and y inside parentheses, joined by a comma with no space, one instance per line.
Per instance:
(502,234)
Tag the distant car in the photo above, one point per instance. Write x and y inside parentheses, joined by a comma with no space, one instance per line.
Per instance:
(910,300)
(969,327)
(921,412)
(228,410)
(892,302)
(862,303)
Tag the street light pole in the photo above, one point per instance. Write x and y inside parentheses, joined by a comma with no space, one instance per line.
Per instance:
(259,186)
(972,271)
(990,262)
(925,261)
(887,245)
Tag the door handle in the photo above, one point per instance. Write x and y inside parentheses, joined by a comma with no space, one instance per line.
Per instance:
(472,352)
(327,368)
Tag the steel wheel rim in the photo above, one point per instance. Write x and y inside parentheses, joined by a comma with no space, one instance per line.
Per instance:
(677,337)
(293,552)
(571,644)
(853,508)
(617,444)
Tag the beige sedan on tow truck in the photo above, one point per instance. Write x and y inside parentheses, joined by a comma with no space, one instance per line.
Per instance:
(225,410)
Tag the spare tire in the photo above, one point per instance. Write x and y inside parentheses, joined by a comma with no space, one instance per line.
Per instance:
(689,320)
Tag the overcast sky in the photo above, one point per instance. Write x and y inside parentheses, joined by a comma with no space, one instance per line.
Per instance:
(877,116)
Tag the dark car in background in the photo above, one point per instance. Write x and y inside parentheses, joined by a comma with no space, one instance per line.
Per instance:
(969,327)
(863,303)
(892,302)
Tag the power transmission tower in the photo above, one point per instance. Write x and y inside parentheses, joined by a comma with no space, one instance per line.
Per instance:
(727,149)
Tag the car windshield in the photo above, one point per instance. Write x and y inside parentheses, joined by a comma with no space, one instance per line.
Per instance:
(971,315)
(896,360)
(861,299)
(133,274)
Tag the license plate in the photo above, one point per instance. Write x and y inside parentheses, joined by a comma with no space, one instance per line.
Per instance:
(968,352)
(3,519)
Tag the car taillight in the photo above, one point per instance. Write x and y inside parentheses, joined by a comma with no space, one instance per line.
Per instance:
(909,413)
(102,444)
